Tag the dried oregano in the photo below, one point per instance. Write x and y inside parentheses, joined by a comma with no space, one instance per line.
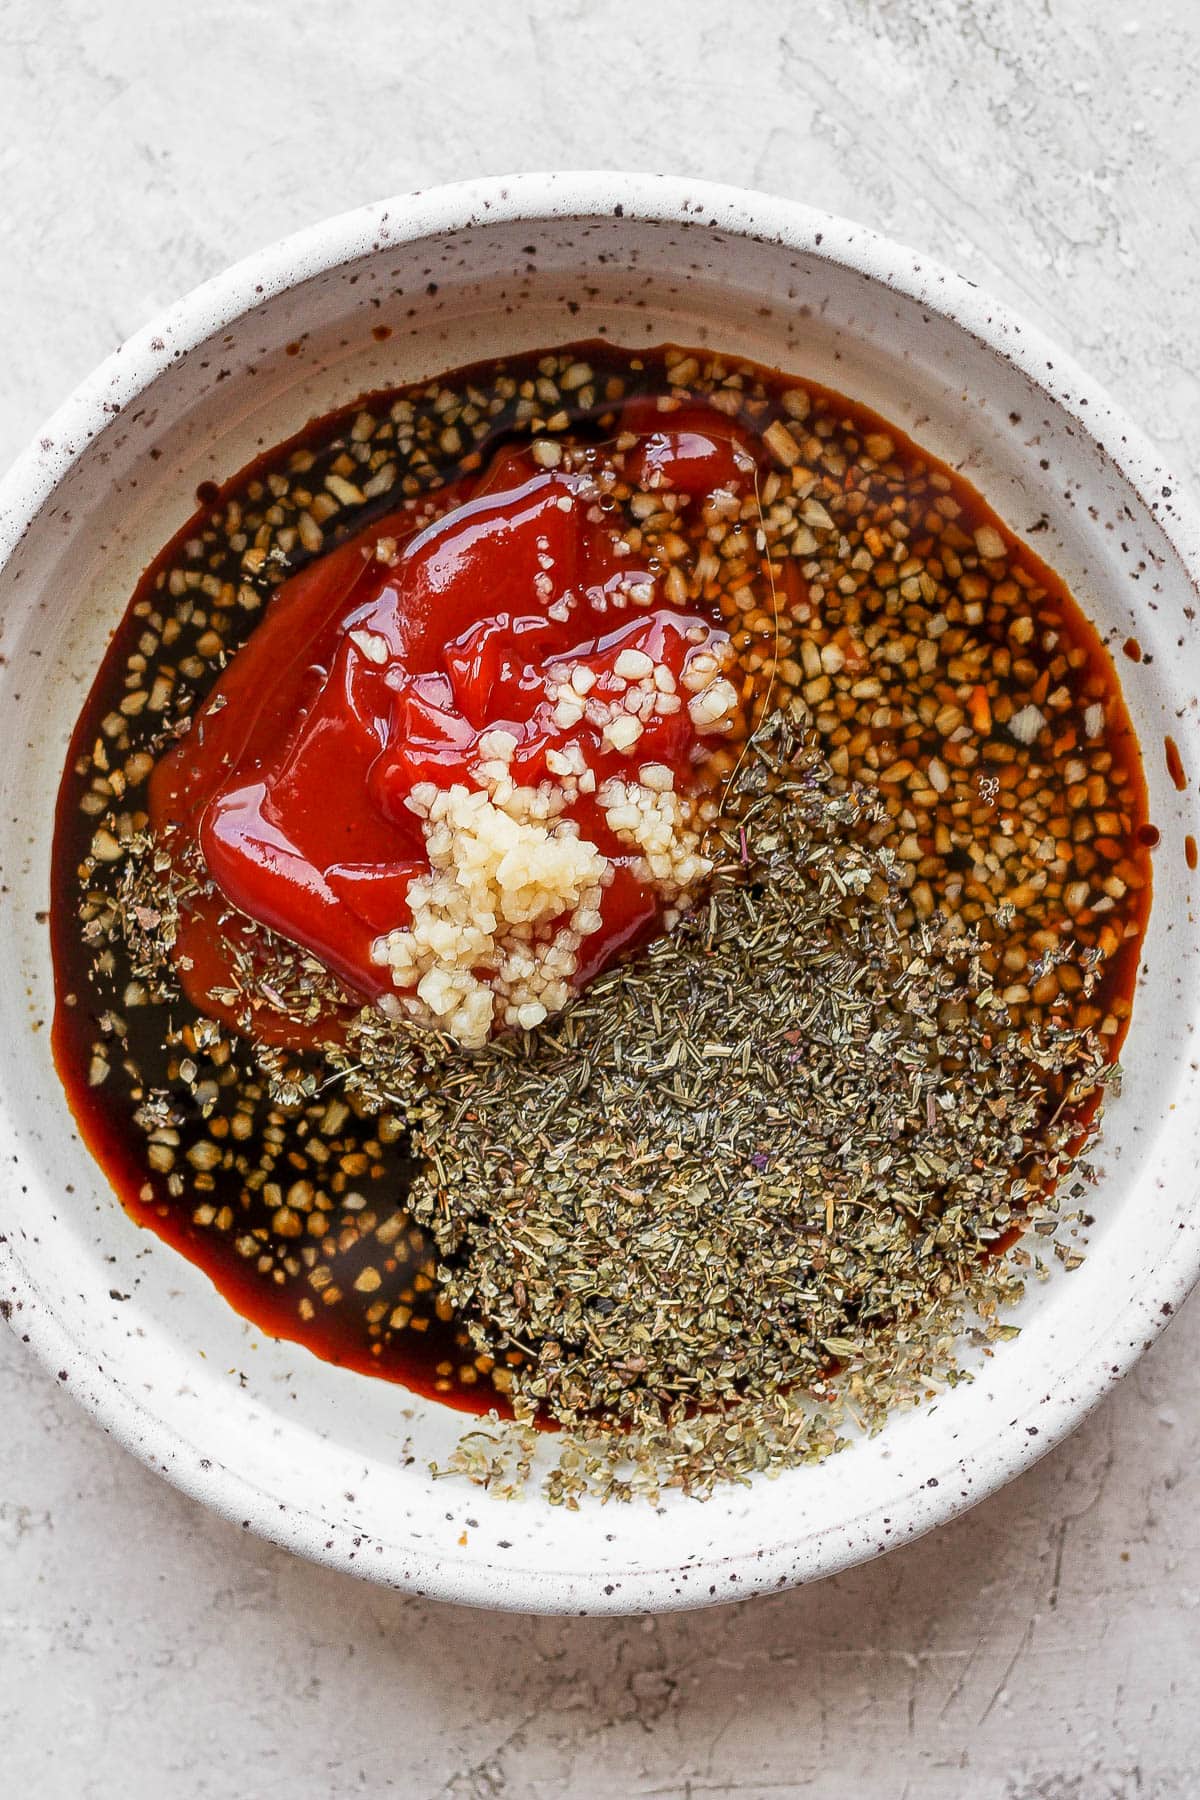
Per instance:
(749,1186)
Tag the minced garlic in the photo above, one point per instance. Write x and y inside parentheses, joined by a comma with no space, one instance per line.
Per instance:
(513,889)
(488,945)
(649,814)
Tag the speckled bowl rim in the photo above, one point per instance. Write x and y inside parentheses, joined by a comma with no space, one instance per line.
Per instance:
(539,198)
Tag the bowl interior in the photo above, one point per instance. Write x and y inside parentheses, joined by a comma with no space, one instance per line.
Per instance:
(335,1464)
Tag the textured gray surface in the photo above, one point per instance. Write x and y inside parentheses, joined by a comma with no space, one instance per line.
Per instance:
(1044,1646)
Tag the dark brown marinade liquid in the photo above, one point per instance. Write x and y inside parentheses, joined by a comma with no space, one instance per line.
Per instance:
(340,1332)
(367,1230)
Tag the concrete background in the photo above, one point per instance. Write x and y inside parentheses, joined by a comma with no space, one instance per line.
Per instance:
(1043,1648)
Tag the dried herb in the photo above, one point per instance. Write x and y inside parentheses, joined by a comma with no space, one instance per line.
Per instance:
(758,1168)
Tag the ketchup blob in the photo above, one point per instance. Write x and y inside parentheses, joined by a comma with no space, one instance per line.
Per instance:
(387,662)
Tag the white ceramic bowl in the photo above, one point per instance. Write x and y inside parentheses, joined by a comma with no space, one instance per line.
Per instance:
(335,1465)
